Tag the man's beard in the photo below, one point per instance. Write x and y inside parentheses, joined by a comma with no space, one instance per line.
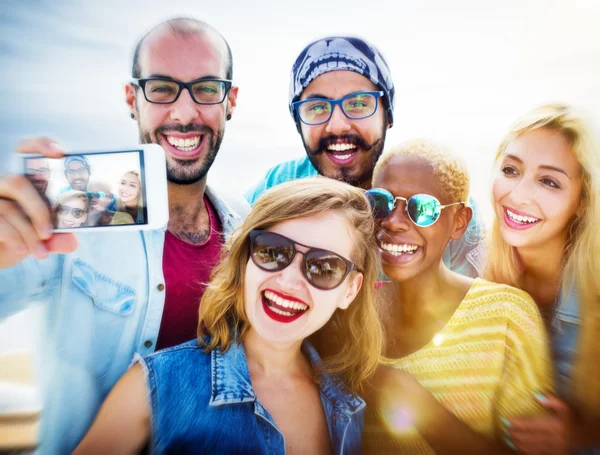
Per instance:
(345,174)
(186,172)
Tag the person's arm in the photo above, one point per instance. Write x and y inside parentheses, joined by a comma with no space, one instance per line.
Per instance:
(122,425)
(444,432)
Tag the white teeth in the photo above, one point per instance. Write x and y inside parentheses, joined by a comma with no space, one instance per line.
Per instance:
(341,147)
(284,303)
(398,249)
(521,219)
(184,144)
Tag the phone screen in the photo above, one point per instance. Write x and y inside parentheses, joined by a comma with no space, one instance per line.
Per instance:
(92,189)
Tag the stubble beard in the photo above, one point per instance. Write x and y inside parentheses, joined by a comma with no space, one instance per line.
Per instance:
(187,172)
(361,178)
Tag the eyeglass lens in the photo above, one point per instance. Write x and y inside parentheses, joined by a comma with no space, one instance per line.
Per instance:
(422,209)
(165,91)
(75,212)
(274,252)
(357,106)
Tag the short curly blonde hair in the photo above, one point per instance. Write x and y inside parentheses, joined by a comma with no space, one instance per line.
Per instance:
(449,170)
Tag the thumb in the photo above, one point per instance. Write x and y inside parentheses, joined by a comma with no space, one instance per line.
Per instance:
(61,243)
(553,404)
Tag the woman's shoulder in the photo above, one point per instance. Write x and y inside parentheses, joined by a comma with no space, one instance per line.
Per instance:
(185,353)
(502,299)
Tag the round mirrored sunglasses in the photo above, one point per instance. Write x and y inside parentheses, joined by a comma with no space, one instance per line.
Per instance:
(422,209)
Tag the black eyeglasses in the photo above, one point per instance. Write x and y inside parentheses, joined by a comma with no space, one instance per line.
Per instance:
(355,106)
(323,269)
(75,212)
(166,91)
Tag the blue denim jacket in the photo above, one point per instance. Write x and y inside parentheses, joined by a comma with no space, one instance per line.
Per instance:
(564,339)
(204,403)
(103,304)
(458,256)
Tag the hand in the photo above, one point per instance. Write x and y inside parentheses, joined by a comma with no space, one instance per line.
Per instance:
(25,222)
(549,434)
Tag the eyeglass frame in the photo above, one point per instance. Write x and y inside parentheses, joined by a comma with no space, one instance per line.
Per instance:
(442,207)
(141,83)
(350,266)
(78,171)
(338,102)
(69,211)
(41,171)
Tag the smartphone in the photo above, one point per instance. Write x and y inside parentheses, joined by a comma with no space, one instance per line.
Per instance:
(123,189)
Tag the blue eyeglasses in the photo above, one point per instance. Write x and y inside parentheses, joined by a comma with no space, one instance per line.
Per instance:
(355,106)
(422,209)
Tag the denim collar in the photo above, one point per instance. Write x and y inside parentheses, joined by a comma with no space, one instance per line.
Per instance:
(226,213)
(231,383)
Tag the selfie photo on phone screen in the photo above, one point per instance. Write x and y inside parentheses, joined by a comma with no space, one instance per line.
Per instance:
(92,190)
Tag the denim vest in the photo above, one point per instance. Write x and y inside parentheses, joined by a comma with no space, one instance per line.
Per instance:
(101,304)
(204,403)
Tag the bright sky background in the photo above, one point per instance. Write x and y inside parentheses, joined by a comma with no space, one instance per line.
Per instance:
(463,69)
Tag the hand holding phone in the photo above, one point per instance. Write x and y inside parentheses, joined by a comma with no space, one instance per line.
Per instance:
(25,221)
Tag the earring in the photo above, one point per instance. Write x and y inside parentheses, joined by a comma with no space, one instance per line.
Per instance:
(132,115)
(228,117)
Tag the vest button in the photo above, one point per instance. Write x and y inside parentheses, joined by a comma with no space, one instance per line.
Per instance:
(160,287)
(148,343)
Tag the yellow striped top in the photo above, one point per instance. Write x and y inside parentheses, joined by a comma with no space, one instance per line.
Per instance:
(486,363)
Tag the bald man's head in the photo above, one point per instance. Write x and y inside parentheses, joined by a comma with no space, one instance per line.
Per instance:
(184,26)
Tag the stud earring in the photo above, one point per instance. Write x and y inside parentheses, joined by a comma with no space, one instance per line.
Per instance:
(228,117)
(132,115)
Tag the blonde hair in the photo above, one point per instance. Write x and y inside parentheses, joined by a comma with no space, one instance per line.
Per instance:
(66,196)
(449,170)
(121,206)
(582,249)
(350,342)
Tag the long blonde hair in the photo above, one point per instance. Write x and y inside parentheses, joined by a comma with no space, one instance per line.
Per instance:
(350,342)
(582,249)
(122,206)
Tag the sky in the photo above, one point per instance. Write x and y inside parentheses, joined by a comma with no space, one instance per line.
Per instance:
(464,70)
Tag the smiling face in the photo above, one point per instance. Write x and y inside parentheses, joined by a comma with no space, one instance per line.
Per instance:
(78,175)
(407,250)
(342,148)
(282,307)
(129,189)
(537,190)
(190,133)
(99,204)
(71,213)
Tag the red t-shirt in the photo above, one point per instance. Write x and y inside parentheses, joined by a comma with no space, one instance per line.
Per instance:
(187,269)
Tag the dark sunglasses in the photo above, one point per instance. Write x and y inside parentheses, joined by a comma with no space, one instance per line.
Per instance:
(323,269)
(75,212)
(422,209)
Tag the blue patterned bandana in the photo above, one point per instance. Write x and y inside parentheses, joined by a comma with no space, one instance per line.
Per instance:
(341,53)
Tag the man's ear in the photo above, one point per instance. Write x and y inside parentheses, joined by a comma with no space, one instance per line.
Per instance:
(462,218)
(353,288)
(231,100)
(130,100)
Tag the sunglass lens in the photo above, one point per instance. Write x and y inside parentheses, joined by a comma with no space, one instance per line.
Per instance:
(382,203)
(424,210)
(323,269)
(271,251)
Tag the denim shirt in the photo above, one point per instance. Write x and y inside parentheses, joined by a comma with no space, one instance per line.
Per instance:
(102,304)
(458,255)
(204,403)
